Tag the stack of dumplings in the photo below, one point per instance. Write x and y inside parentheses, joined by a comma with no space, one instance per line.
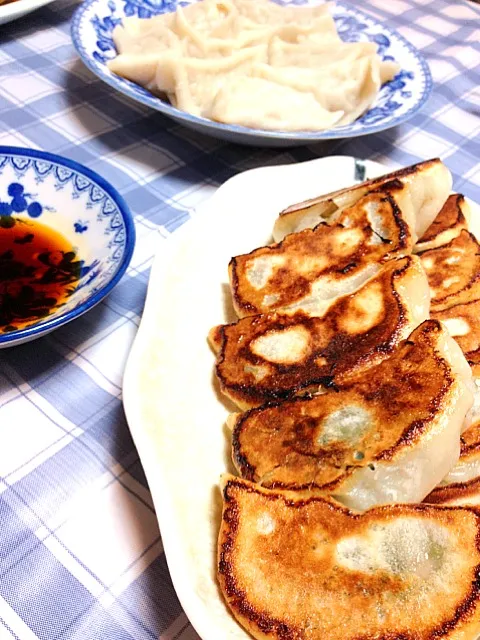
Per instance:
(354,364)
(252,63)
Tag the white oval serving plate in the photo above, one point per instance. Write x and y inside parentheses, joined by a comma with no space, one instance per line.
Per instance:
(173,406)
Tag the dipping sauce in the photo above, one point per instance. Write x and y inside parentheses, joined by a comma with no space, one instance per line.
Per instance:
(39,270)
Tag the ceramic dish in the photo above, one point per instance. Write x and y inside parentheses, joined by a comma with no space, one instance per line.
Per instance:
(80,205)
(397,101)
(20,8)
(174,410)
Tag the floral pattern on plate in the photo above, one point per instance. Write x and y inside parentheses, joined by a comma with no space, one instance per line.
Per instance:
(83,208)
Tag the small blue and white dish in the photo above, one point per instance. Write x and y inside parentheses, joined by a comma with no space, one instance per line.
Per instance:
(398,100)
(41,193)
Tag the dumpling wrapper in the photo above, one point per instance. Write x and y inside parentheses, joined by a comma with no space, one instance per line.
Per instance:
(273,357)
(453,271)
(313,55)
(388,434)
(421,191)
(461,486)
(304,567)
(308,270)
(197,82)
(136,36)
(333,84)
(156,72)
(452,218)
(261,103)
(351,87)
(267,12)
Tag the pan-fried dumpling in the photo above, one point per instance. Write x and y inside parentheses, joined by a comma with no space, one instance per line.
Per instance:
(356,443)
(273,357)
(304,567)
(462,321)
(450,256)
(453,271)
(421,191)
(462,484)
(309,270)
(453,218)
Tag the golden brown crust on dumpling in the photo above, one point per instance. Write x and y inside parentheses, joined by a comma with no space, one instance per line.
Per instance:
(273,356)
(453,271)
(322,262)
(450,221)
(293,567)
(329,441)
(421,191)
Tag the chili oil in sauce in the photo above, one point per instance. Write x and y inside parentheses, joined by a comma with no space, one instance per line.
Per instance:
(39,270)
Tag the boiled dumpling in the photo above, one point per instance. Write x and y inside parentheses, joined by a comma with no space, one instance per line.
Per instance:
(254,101)
(306,78)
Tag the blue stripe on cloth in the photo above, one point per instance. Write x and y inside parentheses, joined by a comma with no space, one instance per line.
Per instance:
(109,429)
(59,599)
(150,601)
(98,624)
(17,539)
(50,486)
(65,396)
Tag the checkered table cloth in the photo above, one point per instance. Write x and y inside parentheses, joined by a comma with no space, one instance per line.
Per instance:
(80,551)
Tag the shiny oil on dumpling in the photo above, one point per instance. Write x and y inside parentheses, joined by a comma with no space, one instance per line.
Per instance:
(421,191)
(390,434)
(462,484)
(309,269)
(273,356)
(304,567)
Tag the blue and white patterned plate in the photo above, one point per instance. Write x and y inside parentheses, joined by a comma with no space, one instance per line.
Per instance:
(85,209)
(397,101)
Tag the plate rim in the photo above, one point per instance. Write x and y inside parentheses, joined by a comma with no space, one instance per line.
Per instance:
(300,136)
(24,335)
(15,10)
(175,554)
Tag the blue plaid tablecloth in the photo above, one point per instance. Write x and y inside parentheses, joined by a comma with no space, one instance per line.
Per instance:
(80,552)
